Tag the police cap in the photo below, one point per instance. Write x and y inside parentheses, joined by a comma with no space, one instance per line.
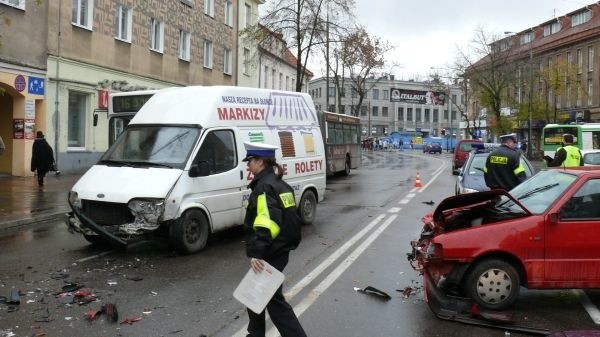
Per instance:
(259,150)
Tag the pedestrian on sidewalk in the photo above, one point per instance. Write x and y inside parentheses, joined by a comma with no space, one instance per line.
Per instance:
(273,227)
(42,157)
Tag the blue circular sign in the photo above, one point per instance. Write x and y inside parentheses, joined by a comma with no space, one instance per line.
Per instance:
(20,83)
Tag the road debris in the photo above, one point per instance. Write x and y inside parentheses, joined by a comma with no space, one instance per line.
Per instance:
(374,291)
(131,320)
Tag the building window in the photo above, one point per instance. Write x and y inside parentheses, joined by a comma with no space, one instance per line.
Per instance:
(248,16)
(184,45)
(287,83)
(579,61)
(427,115)
(228,13)
(445,114)
(273,77)
(280,81)
(590,58)
(436,115)
(590,91)
(418,114)
(331,92)
(209,7)
(384,111)
(581,18)
(81,14)
(246,65)
(123,23)
(569,58)
(157,35)
(76,119)
(400,114)
(227,60)
(375,93)
(386,94)
(353,93)
(526,38)
(375,111)
(293,84)
(551,28)
(578,102)
(568,95)
(266,82)
(20,4)
(409,114)
(363,110)
(208,54)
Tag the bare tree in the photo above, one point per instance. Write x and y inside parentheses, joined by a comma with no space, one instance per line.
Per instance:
(364,56)
(303,24)
(490,67)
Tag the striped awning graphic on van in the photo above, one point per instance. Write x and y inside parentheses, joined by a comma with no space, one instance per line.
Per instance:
(290,111)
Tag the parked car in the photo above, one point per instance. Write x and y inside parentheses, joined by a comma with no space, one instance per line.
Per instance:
(543,234)
(461,153)
(433,147)
(470,177)
(591,157)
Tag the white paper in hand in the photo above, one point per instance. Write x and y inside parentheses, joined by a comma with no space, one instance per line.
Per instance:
(255,290)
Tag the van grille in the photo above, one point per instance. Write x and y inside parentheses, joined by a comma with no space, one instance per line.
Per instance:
(107,213)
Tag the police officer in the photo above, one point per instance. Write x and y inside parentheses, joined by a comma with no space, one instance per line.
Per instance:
(273,230)
(503,168)
(567,155)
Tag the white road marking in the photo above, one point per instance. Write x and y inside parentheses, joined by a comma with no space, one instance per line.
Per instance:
(591,309)
(394,210)
(337,272)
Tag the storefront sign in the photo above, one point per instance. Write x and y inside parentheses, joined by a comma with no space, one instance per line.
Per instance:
(29,125)
(417,96)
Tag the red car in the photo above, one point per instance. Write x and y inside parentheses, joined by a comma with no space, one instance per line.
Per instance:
(543,234)
(461,153)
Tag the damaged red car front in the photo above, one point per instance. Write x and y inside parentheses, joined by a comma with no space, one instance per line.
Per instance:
(485,245)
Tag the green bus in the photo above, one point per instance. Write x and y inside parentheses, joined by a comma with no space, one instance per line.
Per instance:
(585,136)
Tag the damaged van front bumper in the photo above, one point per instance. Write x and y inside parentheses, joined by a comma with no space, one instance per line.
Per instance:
(132,222)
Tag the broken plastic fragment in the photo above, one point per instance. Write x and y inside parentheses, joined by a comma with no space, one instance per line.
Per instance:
(92,314)
(110,310)
(131,320)
(374,291)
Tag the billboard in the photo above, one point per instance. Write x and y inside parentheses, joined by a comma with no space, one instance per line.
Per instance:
(418,96)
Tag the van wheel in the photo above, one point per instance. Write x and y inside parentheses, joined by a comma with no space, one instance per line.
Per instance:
(189,233)
(346,167)
(493,284)
(308,207)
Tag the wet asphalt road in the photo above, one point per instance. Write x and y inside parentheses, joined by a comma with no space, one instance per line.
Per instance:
(177,295)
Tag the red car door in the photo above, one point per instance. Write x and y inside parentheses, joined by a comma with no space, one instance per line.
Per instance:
(573,240)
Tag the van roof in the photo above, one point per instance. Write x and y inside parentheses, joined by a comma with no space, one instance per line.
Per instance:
(210,106)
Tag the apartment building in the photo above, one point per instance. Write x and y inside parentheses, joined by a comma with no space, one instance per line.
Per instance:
(84,49)
(558,70)
(412,108)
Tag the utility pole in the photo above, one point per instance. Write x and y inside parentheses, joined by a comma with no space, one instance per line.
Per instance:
(327,57)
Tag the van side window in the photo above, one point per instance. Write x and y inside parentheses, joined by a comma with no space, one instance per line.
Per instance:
(218,150)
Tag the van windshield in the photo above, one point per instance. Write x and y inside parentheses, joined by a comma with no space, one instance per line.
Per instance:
(152,145)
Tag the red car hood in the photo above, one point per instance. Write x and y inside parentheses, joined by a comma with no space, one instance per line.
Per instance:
(463,201)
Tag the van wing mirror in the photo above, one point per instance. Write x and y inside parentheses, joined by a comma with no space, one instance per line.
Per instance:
(199,169)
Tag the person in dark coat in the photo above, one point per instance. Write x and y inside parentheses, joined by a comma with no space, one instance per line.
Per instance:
(503,168)
(273,228)
(42,157)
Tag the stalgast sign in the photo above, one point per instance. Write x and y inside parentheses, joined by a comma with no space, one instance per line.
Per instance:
(417,96)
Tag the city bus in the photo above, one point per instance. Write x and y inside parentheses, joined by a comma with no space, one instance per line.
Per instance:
(122,106)
(585,136)
(341,136)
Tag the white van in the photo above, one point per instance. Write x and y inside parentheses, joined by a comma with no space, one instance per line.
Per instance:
(177,168)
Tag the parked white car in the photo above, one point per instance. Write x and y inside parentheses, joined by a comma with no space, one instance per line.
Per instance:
(591,157)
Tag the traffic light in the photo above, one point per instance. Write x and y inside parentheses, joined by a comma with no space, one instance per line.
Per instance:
(443,132)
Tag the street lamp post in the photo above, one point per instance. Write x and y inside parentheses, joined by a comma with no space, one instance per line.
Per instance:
(530,103)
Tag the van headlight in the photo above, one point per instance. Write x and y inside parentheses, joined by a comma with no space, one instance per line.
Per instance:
(148,209)
(74,199)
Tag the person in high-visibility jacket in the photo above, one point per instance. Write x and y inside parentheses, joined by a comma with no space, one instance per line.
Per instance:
(273,227)
(503,168)
(567,155)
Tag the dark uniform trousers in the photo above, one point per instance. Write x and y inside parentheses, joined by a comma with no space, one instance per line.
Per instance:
(281,313)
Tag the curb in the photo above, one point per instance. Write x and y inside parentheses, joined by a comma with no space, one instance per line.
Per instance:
(12,224)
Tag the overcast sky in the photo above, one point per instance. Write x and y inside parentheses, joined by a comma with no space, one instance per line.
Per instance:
(427,33)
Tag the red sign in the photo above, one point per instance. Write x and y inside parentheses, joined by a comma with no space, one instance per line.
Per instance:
(20,83)
(103,99)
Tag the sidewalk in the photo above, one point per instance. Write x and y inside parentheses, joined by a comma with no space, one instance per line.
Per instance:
(22,201)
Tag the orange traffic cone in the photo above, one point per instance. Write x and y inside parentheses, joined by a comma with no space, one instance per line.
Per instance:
(418,180)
